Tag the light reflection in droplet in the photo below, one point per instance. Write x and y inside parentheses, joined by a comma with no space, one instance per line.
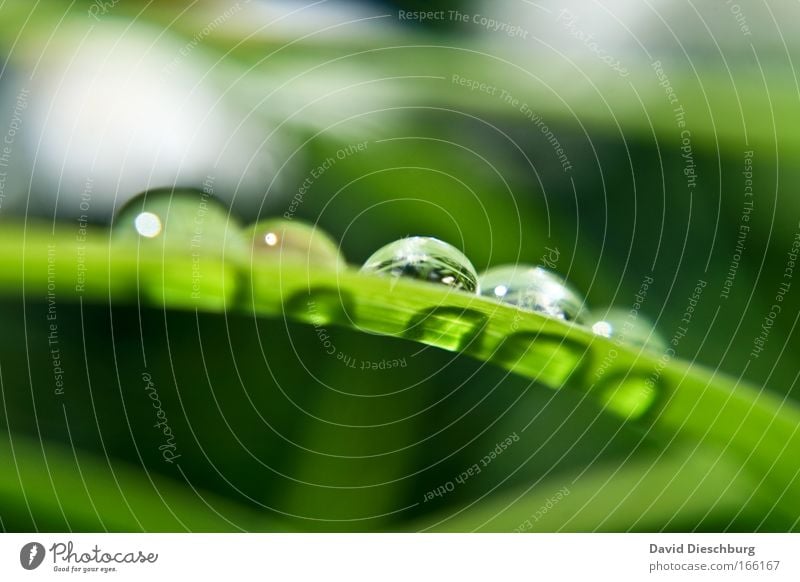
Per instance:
(602,328)
(148,224)
(271,239)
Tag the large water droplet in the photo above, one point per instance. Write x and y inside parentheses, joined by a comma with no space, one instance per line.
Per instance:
(187,243)
(424,258)
(535,289)
(293,241)
(629,327)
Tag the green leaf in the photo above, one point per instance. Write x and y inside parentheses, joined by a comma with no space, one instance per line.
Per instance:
(642,493)
(49,487)
(669,398)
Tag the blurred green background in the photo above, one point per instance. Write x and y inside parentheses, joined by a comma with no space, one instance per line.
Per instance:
(464,122)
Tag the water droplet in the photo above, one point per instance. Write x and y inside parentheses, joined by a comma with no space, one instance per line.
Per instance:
(182,219)
(550,359)
(187,243)
(629,327)
(321,306)
(450,328)
(293,241)
(424,258)
(629,395)
(535,289)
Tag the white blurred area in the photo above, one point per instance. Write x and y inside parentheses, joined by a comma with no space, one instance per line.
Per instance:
(107,114)
(117,107)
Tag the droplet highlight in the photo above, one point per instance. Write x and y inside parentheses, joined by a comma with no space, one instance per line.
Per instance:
(148,224)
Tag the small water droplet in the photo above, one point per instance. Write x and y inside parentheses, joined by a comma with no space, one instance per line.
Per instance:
(426,259)
(321,306)
(550,359)
(291,240)
(189,242)
(629,395)
(450,328)
(535,289)
(629,327)
(183,219)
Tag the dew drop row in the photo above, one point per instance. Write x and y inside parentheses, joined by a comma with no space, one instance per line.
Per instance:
(194,222)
